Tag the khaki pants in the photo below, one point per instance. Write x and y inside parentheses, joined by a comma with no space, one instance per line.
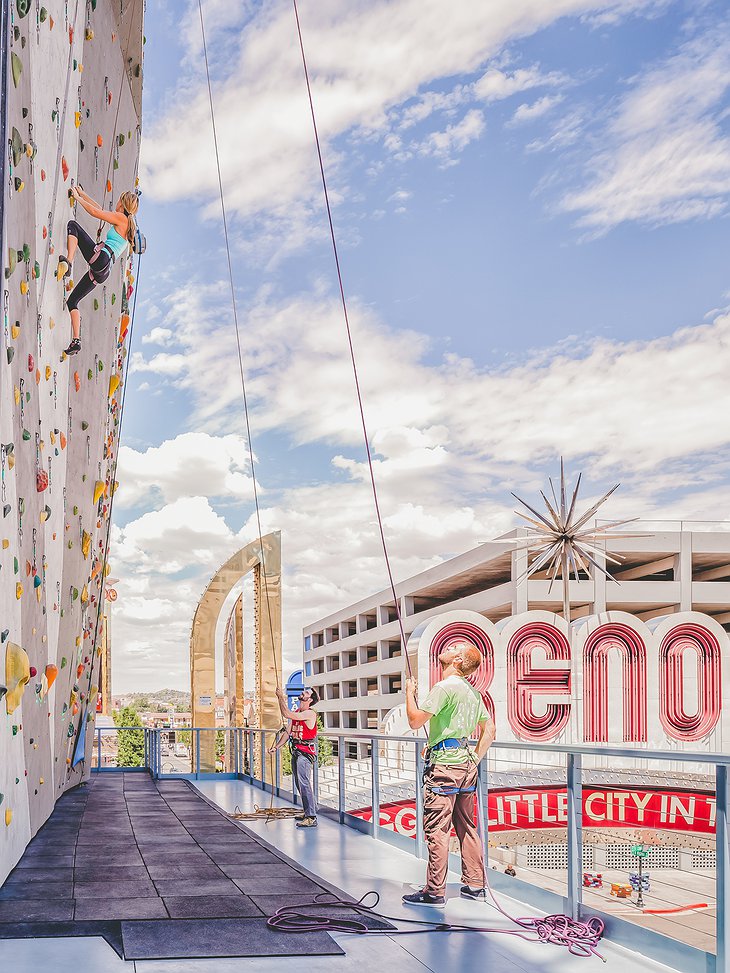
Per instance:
(440,811)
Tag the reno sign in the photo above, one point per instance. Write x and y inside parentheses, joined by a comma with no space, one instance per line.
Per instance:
(608,678)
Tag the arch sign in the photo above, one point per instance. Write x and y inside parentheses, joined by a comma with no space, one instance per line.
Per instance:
(608,678)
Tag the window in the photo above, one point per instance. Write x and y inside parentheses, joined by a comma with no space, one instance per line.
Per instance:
(349,659)
(372,721)
(307,643)
(393,684)
(371,686)
(308,668)
(392,650)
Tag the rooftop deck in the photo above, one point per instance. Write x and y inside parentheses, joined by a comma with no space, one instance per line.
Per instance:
(355,863)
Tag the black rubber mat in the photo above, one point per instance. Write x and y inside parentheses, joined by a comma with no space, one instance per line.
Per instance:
(159,872)
(193,938)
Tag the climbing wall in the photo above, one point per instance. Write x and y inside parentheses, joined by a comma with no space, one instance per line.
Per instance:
(72,84)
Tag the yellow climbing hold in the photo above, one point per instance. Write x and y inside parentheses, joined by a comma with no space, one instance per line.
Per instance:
(6,543)
(85,543)
(98,490)
(84,595)
(18,590)
(17,395)
(24,287)
(113,384)
(8,816)
(17,675)
(49,372)
(14,330)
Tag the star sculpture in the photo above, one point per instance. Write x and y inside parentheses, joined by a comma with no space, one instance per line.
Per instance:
(563,540)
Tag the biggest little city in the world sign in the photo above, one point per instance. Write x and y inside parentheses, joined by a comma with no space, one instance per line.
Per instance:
(608,678)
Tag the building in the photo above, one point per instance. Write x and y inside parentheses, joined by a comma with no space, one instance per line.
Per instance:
(354,657)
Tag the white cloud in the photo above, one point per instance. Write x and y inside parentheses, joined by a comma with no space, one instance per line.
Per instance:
(665,156)
(157,336)
(536,109)
(269,169)
(446,144)
(192,464)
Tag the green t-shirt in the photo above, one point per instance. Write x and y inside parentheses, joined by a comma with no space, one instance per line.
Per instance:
(457,709)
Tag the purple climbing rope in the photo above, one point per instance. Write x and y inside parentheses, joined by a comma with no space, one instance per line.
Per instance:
(351,345)
(238,344)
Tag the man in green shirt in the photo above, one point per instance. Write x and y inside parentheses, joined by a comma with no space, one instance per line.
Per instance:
(453,710)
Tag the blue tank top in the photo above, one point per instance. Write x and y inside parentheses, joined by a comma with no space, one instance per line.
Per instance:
(116,243)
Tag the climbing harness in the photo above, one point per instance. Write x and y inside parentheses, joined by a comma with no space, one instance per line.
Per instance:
(451,743)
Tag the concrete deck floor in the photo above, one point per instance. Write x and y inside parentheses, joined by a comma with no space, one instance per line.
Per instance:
(355,863)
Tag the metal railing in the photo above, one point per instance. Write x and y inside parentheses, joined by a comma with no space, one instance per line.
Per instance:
(371,782)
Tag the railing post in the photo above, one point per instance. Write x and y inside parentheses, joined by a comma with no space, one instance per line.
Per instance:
(483,807)
(197,751)
(722,869)
(374,786)
(419,801)
(277,762)
(98,749)
(575,835)
(341,780)
(263,760)
(251,765)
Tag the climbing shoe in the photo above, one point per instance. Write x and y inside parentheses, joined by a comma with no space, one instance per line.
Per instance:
(307,823)
(63,269)
(469,893)
(423,898)
(74,348)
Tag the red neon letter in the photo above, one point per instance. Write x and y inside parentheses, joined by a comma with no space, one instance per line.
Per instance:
(677,723)
(465,631)
(595,683)
(526,680)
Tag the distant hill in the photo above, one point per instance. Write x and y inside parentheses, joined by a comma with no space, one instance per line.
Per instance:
(160,699)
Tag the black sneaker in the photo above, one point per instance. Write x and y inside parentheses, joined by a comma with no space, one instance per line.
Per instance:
(74,348)
(469,893)
(307,823)
(423,898)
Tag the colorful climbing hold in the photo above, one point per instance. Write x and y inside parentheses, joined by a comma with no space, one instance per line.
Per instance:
(17,675)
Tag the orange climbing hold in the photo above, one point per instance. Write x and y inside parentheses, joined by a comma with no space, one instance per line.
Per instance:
(77,381)
(51,673)
(124,325)
(99,141)
(63,441)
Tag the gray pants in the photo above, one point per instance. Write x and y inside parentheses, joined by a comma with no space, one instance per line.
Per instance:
(302,768)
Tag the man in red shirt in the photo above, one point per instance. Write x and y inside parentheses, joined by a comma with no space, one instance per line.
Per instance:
(301,733)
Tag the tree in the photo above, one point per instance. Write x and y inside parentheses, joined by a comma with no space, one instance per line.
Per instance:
(130,743)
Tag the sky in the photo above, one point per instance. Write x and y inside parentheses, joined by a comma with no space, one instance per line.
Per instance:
(531,206)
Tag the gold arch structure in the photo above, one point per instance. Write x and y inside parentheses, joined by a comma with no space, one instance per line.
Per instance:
(263,558)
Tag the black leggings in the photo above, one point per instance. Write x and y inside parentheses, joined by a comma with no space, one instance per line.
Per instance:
(102,265)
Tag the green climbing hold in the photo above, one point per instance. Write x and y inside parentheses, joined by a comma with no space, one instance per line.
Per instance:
(43,15)
(16,566)
(23,7)
(26,435)
(76,510)
(114,298)
(64,662)
(16,67)
(84,424)
(120,138)
(100,366)
(90,375)
(116,164)
(96,304)
(36,270)
(16,140)
(12,261)
(26,252)
(11,354)
(74,593)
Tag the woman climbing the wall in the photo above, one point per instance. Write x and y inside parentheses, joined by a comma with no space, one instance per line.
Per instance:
(99,257)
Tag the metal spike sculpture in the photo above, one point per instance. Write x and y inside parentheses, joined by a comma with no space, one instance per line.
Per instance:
(563,541)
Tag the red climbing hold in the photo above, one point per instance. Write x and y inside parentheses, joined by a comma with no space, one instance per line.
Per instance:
(43,175)
(31,363)
(64,167)
(41,481)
